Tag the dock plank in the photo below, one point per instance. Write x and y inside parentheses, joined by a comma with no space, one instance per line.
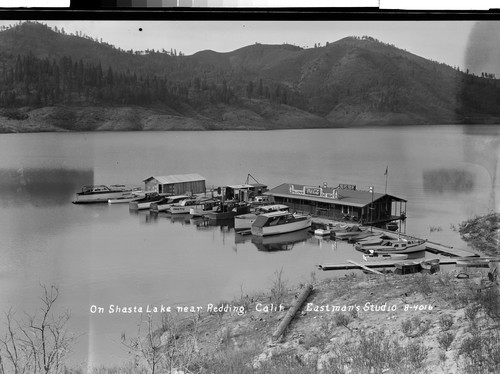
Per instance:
(365,267)
(371,264)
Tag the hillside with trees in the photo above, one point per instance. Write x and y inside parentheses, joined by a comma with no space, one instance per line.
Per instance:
(52,81)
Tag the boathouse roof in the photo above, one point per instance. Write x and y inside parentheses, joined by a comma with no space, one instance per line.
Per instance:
(180,178)
(329,195)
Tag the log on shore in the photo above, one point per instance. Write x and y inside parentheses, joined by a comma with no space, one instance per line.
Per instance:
(291,312)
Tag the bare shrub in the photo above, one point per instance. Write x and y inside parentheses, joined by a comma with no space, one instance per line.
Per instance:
(39,343)
(446,321)
(481,353)
(342,319)
(279,287)
(445,339)
(165,346)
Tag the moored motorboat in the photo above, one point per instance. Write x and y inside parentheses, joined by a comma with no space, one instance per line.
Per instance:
(132,196)
(324,232)
(400,246)
(227,210)
(283,242)
(166,202)
(145,202)
(184,206)
(376,239)
(338,227)
(101,193)
(203,207)
(245,221)
(349,232)
(279,223)
(360,236)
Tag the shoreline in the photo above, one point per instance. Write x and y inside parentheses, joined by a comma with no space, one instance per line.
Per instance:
(417,323)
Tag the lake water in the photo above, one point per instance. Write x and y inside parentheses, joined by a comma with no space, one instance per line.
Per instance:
(100,255)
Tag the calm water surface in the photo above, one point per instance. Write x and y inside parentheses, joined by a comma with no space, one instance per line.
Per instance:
(100,255)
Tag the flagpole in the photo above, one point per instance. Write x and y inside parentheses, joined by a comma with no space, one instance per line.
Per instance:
(386,172)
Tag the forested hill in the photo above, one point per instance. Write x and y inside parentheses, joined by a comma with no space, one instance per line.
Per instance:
(52,81)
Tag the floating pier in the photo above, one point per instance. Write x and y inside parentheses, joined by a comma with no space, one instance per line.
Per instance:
(445,250)
(366,268)
(370,265)
(432,247)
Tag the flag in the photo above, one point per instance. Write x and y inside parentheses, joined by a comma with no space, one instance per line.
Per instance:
(386,169)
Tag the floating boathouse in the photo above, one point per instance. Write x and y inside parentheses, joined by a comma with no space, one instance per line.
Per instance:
(175,184)
(344,202)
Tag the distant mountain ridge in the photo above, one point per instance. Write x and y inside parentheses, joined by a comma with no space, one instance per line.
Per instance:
(52,81)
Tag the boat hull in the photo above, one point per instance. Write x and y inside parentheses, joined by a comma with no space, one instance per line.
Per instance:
(323,232)
(141,205)
(386,257)
(123,200)
(244,221)
(282,229)
(99,197)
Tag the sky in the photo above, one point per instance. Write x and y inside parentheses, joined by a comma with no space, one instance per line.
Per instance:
(442,41)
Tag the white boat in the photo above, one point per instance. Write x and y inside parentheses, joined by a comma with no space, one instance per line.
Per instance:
(283,242)
(349,232)
(145,201)
(101,193)
(370,243)
(386,256)
(245,221)
(132,196)
(166,202)
(279,223)
(324,232)
(184,206)
(203,207)
(400,246)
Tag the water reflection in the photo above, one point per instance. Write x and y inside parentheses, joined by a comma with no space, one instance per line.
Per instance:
(282,242)
(41,187)
(448,180)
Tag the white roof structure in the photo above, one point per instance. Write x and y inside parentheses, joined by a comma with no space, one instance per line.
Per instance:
(180,178)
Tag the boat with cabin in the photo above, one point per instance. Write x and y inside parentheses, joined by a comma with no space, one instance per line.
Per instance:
(166,202)
(203,207)
(146,201)
(227,210)
(376,239)
(283,242)
(279,223)
(245,221)
(184,206)
(101,193)
(132,196)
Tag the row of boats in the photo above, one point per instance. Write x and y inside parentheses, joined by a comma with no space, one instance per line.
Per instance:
(261,220)
(376,246)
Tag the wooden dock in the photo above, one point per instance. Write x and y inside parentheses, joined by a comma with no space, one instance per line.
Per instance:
(432,247)
(375,264)
(445,250)
(366,268)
